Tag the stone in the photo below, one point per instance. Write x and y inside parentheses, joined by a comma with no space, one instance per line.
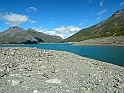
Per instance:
(13,82)
(2,72)
(35,91)
(86,92)
(53,81)
(45,75)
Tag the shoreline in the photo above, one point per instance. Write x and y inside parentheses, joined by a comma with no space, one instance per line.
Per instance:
(32,70)
(104,41)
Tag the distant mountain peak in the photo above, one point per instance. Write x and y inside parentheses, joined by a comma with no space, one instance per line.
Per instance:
(29,29)
(118,13)
(19,35)
(15,27)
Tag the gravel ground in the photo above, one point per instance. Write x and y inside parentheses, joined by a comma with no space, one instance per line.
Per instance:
(107,41)
(32,70)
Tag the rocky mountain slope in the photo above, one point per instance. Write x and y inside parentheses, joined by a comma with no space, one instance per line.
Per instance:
(113,26)
(19,35)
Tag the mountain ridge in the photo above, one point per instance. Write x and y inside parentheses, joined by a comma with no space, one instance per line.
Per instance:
(17,35)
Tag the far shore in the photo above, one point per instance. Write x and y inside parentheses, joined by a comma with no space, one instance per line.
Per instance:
(105,41)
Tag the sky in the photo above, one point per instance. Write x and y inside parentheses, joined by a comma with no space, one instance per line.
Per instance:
(56,17)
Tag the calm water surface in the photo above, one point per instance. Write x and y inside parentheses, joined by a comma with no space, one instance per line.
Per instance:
(110,54)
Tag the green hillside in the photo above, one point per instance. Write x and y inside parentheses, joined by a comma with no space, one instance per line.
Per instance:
(113,26)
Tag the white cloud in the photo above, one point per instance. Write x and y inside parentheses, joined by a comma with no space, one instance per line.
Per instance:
(32,21)
(31,9)
(89,1)
(51,19)
(39,29)
(14,19)
(83,23)
(122,4)
(68,29)
(62,31)
(98,18)
(101,3)
(101,12)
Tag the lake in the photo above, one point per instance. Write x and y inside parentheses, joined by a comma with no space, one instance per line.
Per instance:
(110,54)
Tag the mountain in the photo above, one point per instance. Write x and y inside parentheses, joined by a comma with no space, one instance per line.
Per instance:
(113,26)
(17,35)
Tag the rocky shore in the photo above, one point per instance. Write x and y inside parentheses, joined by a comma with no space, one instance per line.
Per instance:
(104,41)
(32,70)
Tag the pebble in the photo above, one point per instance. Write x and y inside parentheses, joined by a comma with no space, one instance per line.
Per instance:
(14,82)
(35,91)
(54,81)
(2,72)
(32,70)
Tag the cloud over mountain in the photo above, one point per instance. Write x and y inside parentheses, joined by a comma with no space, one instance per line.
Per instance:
(62,31)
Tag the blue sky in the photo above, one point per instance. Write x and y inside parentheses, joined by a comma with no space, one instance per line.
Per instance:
(56,17)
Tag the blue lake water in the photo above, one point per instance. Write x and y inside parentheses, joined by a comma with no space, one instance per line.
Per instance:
(110,54)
